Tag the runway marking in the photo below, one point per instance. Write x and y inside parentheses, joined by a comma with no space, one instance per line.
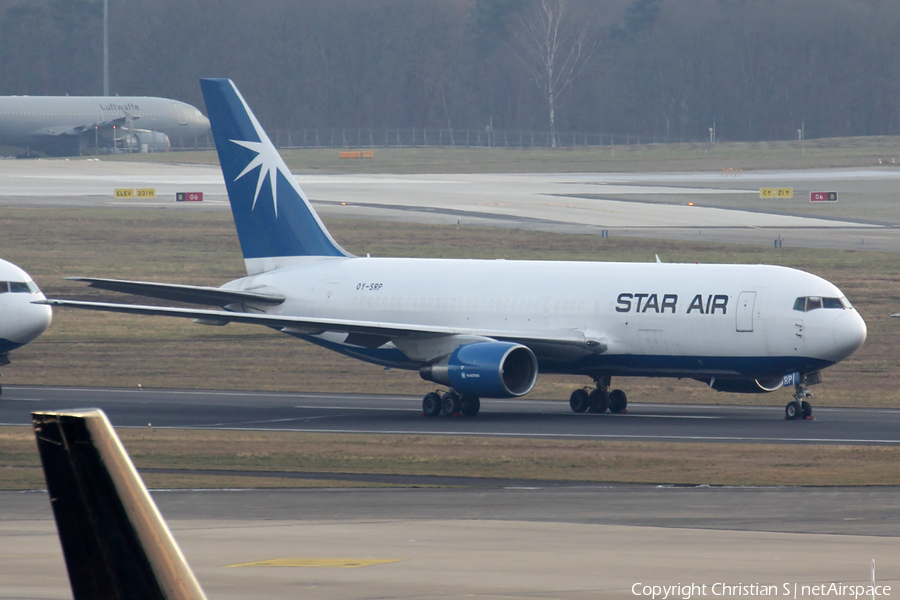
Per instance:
(416,400)
(692,438)
(354,408)
(559,405)
(340,563)
(206,393)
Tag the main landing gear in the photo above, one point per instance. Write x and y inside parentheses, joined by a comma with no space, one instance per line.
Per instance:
(598,400)
(449,404)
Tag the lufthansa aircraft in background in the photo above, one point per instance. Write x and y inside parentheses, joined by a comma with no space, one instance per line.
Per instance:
(486,328)
(20,319)
(74,125)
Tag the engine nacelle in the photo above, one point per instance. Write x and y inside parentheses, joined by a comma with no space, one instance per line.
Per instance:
(486,369)
(144,140)
(761,385)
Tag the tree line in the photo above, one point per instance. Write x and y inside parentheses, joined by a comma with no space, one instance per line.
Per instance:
(667,69)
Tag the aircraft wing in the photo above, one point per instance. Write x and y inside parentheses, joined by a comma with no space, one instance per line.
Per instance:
(315,326)
(193,294)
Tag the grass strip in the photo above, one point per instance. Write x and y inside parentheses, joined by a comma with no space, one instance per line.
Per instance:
(507,458)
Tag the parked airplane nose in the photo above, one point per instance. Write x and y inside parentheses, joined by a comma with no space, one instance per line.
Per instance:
(35,319)
(849,333)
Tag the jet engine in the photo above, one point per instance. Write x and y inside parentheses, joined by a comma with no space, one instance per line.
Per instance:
(144,140)
(486,370)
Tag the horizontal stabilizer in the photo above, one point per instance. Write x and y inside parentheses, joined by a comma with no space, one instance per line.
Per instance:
(193,294)
(114,540)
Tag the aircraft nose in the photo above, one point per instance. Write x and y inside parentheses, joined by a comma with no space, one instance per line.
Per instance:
(36,318)
(202,123)
(849,333)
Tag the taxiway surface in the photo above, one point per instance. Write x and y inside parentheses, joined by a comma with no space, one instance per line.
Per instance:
(652,205)
(572,543)
(346,413)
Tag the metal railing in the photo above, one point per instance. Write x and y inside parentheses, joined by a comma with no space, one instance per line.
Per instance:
(430,138)
(449,138)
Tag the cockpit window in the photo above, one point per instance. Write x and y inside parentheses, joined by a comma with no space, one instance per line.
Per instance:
(808,303)
(18,287)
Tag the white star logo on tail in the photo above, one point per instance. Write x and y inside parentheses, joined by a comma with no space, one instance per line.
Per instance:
(270,162)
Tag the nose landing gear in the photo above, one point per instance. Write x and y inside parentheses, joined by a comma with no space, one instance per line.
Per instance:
(799,407)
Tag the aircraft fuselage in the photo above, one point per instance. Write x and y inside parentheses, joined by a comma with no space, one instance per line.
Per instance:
(649,319)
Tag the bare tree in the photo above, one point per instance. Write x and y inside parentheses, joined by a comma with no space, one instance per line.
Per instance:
(554,48)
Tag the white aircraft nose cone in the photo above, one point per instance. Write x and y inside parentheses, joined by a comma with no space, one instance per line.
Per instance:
(35,319)
(849,333)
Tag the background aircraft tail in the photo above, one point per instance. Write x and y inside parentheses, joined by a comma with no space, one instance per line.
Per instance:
(114,540)
(275,222)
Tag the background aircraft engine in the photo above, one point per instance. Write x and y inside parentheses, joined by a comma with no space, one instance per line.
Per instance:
(144,140)
(761,385)
(486,370)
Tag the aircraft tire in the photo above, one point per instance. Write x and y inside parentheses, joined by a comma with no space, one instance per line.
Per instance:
(599,401)
(431,405)
(617,401)
(792,410)
(579,401)
(805,409)
(470,404)
(450,404)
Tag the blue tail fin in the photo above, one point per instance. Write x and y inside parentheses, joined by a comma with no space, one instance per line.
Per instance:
(274,219)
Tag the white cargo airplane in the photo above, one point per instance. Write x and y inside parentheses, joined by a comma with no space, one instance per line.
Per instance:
(485,328)
(20,319)
(73,125)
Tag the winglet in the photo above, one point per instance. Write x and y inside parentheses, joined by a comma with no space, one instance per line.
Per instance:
(276,224)
(114,540)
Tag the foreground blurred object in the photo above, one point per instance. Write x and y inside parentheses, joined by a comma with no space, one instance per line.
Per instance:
(115,541)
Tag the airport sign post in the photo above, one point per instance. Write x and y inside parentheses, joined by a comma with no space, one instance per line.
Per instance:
(189,197)
(823,196)
(768,193)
